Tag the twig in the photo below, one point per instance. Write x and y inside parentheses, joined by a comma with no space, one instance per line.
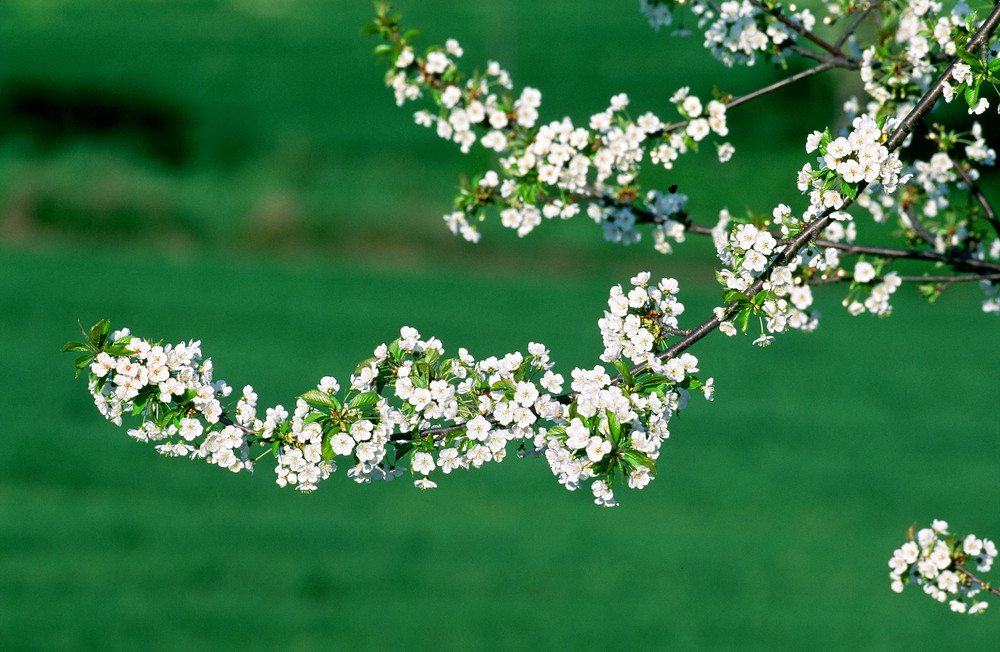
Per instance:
(986,585)
(918,226)
(977,192)
(855,24)
(798,28)
(963,262)
(826,64)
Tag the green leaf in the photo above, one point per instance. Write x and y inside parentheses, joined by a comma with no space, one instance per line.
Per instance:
(972,95)
(318,398)
(82,362)
(743,320)
(848,190)
(402,449)
(420,374)
(635,459)
(624,371)
(505,385)
(968,58)
(363,400)
(557,431)
(994,65)
(649,382)
(614,427)
(99,333)
(327,449)
(735,295)
(825,140)
(431,356)
(76,346)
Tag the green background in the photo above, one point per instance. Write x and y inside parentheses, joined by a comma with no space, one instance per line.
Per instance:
(303,228)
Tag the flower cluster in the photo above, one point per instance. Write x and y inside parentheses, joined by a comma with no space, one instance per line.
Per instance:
(173,387)
(859,157)
(738,31)
(944,565)
(637,322)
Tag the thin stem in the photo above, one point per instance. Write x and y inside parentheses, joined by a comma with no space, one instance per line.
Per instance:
(855,24)
(826,65)
(917,225)
(949,258)
(977,192)
(972,576)
(945,278)
(798,28)
(949,279)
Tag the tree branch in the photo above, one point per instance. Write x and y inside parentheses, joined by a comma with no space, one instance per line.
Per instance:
(815,227)
(795,244)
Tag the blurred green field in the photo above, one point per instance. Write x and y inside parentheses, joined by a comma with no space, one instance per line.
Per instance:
(302,228)
(292,139)
(768,528)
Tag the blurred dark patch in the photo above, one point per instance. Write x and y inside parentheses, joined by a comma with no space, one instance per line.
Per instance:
(51,117)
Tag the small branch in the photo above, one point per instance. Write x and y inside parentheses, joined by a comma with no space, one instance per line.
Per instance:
(985,585)
(798,28)
(855,24)
(826,65)
(949,258)
(918,226)
(808,234)
(977,192)
(949,279)
(946,279)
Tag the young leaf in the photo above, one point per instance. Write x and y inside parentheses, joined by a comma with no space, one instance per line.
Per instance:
(432,356)
(363,400)
(99,333)
(624,371)
(614,427)
(317,398)
(743,320)
(735,295)
(972,95)
(82,363)
(635,459)
(968,58)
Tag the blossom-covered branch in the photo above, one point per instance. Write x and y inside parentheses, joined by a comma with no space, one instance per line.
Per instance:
(407,407)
